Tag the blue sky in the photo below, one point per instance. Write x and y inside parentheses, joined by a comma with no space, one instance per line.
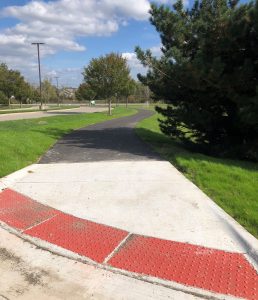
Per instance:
(74,31)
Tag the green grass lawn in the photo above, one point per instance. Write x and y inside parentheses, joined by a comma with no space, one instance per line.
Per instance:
(232,184)
(23,142)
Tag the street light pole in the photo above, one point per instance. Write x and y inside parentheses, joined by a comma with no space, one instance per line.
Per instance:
(40,86)
(57,86)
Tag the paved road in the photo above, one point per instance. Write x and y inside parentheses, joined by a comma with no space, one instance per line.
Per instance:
(111,140)
(43,114)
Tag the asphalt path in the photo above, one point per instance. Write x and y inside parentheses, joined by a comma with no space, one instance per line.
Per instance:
(111,140)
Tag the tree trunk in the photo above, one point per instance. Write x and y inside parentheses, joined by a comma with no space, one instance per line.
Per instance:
(127,102)
(109,107)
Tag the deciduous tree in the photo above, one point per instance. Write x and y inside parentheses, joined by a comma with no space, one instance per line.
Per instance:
(84,92)
(12,83)
(107,76)
(49,91)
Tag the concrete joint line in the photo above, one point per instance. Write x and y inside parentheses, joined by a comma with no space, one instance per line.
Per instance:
(35,225)
(117,249)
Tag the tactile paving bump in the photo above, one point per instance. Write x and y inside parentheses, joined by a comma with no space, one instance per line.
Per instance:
(84,237)
(214,270)
(22,212)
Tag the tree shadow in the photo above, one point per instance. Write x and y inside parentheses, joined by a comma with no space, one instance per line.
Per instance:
(103,144)
(173,150)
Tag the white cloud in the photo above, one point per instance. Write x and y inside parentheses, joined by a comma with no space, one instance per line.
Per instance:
(59,23)
(137,9)
(67,77)
(156,50)
(135,65)
(132,59)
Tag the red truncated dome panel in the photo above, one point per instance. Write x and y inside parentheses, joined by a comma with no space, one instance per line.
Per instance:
(22,212)
(214,270)
(83,237)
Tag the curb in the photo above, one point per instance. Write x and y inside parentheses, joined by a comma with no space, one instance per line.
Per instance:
(56,250)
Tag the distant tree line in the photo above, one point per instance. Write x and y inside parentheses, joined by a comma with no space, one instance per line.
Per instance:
(15,89)
(138,93)
(208,74)
(13,86)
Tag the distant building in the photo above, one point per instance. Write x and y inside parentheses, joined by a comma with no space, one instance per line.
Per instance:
(68,93)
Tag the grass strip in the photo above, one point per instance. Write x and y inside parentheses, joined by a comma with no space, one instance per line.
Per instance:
(23,142)
(232,184)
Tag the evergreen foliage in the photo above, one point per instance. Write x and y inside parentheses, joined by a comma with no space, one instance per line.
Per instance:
(208,73)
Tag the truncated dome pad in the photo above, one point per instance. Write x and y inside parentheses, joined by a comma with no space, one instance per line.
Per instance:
(195,266)
(22,212)
(210,269)
(86,238)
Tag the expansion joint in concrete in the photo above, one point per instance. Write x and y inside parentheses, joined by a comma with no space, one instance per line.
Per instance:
(117,249)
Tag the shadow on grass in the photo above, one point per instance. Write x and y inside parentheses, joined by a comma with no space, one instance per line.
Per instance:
(54,133)
(173,150)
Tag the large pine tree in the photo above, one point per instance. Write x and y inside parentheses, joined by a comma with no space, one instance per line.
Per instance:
(208,73)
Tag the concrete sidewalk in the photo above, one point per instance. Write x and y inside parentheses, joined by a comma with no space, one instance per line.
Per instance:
(148,197)
(124,184)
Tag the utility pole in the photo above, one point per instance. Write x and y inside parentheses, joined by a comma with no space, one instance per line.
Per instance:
(40,86)
(57,87)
